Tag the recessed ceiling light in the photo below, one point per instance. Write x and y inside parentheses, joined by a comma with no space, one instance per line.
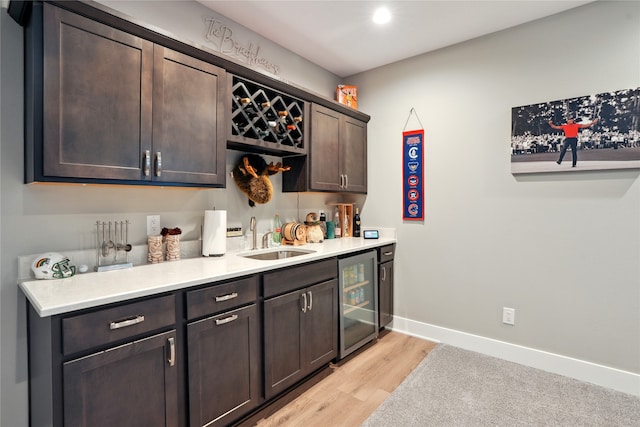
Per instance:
(381,15)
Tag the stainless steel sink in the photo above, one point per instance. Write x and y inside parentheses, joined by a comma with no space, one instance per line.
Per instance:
(274,254)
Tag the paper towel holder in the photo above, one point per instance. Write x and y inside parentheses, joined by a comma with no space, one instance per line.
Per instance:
(214,233)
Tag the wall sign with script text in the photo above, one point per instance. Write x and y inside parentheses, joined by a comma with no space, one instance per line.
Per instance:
(413,174)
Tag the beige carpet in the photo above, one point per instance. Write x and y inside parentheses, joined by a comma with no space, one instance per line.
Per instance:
(455,387)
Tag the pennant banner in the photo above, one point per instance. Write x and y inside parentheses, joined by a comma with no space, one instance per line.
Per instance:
(413,167)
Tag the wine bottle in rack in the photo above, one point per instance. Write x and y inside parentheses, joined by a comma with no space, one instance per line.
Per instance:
(265,104)
(297,119)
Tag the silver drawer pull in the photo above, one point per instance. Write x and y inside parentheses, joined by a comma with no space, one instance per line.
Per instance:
(226,319)
(388,253)
(227,297)
(147,163)
(125,323)
(172,351)
(158,163)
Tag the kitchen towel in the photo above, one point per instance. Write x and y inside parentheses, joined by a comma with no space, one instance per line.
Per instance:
(214,233)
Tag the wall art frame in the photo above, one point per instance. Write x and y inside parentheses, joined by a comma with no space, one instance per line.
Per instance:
(591,132)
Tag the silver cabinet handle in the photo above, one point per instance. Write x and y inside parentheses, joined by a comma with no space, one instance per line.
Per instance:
(388,253)
(384,273)
(158,163)
(226,319)
(310,301)
(125,323)
(146,169)
(346,181)
(227,297)
(304,304)
(172,351)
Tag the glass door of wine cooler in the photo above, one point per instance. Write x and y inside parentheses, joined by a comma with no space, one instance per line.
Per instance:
(358,301)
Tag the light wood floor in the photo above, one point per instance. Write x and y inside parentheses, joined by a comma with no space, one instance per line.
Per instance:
(354,387)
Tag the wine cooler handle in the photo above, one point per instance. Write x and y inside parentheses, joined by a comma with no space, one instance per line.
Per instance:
(310,306)
(304,303)
(172,351)
(384,273)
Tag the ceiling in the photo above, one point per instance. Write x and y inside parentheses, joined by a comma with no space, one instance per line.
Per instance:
(340,36)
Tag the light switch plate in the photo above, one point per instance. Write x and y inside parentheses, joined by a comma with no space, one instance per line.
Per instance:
(153,225)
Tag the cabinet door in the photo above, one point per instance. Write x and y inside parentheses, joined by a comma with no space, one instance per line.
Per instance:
(96,99)
(224,367)
(283,359)
(189,142)
(131,385)
(325,149)
(385,289)
(354,155)
(320,325)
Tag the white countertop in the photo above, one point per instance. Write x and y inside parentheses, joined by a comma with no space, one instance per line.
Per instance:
(51,297)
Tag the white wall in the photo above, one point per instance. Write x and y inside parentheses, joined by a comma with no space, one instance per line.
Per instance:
(562,249)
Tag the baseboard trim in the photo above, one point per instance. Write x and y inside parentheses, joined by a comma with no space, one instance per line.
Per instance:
(616,379)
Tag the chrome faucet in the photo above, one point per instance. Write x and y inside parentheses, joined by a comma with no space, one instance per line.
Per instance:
(265,239)
(254,229)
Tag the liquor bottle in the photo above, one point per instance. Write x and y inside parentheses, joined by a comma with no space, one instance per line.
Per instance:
(336,222)
(323,224)
(346,229)
(356,223)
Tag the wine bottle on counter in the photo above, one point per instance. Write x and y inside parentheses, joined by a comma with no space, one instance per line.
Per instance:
(356,223)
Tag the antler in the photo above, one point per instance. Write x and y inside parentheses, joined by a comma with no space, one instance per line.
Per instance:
(248,169)
(272,169)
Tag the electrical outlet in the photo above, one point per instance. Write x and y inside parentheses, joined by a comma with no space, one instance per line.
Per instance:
(508,316)
(153,225)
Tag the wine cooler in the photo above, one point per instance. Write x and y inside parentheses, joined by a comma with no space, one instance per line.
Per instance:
(358,301)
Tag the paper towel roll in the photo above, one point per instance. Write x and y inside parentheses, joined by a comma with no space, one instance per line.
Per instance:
(214,233)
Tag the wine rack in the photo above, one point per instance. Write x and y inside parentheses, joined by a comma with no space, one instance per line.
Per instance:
(266,118)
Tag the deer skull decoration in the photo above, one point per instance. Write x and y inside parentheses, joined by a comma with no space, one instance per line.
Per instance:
(252,177)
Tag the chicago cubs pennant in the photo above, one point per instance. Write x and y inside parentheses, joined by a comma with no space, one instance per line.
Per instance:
(413,166)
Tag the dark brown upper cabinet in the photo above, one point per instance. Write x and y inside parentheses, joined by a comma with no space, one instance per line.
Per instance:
(107,106)
(337,160)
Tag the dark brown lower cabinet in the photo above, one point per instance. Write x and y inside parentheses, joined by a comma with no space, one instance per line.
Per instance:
(385,290)
(300,330)
(224,367)
(385,284)
(131,385)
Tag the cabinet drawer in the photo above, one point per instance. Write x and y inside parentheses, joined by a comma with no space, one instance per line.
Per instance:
(113,324)
(386,253)
(281,281)
(218,298)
